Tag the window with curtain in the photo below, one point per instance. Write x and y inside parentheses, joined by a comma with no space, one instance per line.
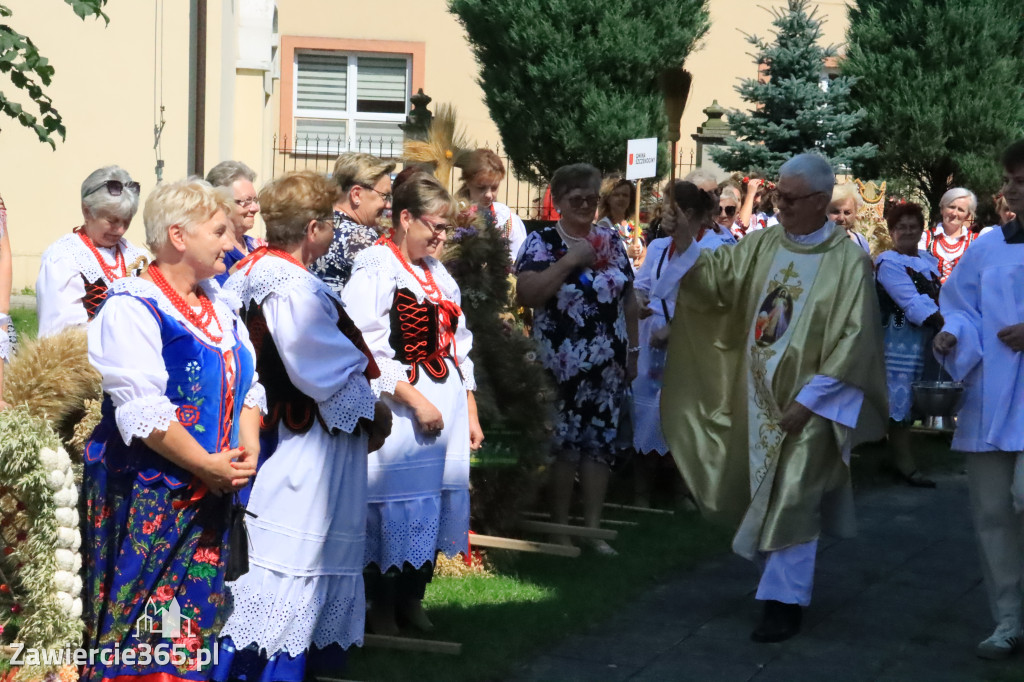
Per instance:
(350,101)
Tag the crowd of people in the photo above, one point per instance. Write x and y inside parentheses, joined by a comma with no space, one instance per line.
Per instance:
(319,383)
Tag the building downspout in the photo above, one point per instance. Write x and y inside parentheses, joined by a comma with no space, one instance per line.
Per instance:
(197,87)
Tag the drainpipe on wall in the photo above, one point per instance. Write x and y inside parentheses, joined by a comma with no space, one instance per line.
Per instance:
(197,87)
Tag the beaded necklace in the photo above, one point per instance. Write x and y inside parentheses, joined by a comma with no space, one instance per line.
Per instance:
(109,272)
(200,321)
(429,286)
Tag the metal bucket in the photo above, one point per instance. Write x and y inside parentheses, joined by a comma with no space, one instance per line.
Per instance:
(938,398)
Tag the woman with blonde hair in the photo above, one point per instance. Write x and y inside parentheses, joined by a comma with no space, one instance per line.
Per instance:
(77,269)
(482,173)
(618,197)
(408,309)
(304,588)
(364,182)
(846,201)
(179,435)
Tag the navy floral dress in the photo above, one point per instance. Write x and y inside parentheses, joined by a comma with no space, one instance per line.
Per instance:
(334,268)
(581,338)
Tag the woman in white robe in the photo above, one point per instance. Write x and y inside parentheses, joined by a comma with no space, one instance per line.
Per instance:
(304,588)
(77,269)
(407,307)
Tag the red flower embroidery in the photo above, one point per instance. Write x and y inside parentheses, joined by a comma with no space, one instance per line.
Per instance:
(207,555)
(148,527)
(164,593)
(187,415)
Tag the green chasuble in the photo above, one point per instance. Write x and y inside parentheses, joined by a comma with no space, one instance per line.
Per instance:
(754,324)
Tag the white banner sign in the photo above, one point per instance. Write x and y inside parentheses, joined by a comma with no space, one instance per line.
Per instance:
(642,158)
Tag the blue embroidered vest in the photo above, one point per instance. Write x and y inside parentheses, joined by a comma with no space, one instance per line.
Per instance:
(197,386)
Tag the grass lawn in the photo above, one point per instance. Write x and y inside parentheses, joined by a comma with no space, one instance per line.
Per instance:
(534,600)
(26,321)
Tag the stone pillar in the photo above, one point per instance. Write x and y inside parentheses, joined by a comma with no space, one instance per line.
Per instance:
(714,132)
(417,123)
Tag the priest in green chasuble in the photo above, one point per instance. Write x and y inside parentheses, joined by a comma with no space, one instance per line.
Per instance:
(775,370)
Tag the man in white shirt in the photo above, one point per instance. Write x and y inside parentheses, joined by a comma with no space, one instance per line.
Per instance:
(982,343)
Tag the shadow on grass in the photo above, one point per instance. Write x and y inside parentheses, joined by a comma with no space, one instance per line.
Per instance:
(533,601)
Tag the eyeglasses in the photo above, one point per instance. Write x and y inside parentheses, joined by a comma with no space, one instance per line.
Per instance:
(790,199)
(438,229)
(729,211)
(579,201)
(246,203)
(386,196)
(115,188)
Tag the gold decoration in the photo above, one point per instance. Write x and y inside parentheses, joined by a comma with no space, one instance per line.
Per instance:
(445,140)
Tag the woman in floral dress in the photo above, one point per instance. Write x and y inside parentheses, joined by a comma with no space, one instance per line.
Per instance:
(577,278)
(179,434)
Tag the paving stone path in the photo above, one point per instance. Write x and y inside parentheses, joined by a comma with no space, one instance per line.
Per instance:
(902,601)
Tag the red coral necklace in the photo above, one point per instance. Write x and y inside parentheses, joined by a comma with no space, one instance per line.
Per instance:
(109,272)
(429,286)
(200,321)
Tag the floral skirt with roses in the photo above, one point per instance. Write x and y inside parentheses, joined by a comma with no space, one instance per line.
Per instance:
(155,570)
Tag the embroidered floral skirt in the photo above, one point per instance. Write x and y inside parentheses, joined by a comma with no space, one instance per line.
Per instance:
(154,575)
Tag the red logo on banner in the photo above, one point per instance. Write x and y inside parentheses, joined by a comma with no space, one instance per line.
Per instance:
(630,159)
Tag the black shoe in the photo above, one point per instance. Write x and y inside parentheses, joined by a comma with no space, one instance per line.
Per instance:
(914,479)
(779,623)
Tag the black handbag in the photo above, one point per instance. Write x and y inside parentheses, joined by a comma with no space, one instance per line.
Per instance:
(238,540)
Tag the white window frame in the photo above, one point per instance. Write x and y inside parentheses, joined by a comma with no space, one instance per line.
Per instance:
(350,116)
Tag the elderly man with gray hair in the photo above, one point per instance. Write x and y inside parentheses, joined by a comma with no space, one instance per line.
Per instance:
(78,268)
(781,333)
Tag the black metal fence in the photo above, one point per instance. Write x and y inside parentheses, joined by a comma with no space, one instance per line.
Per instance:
(318,153)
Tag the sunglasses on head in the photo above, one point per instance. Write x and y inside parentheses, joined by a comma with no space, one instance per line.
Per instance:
(729,211)
(579,201)
(115,187)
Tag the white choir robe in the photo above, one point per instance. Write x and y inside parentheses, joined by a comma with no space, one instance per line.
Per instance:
(305,579)
(984,294)
(647,435)
(60,289)
(788,574)
(418,484)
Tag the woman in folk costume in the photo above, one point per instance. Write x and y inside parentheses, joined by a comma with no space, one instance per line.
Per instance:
(482,173)
(77,269)
(948,242)
(982,343)
(407,307)
(304,587)
(765,443)
(908,291)
(179,435)
(648,441)
(237,178)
